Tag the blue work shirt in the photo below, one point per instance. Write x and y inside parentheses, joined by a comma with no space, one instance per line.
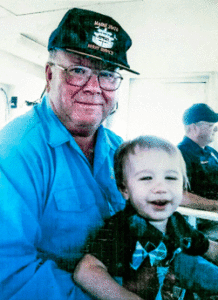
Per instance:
(51,199)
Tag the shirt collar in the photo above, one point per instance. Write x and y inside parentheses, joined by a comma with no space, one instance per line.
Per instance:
(194,147)
(144,231)
(57,133)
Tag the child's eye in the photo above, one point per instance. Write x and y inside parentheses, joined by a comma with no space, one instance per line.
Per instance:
(146,178)
(171,178)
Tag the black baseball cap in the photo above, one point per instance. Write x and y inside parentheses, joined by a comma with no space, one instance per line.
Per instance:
(199,112)
(94,35)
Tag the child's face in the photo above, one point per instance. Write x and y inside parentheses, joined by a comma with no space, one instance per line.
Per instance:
(153,184)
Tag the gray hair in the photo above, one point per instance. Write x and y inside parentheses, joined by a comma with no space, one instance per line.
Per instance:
(52,55)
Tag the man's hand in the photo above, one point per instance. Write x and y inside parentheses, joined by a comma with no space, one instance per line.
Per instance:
(197,202)
(212,252)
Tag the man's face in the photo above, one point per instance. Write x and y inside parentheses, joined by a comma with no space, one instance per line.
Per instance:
(206,132)
(80,108)
(153,183)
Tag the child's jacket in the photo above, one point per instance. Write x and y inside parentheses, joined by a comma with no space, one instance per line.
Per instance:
(131,248)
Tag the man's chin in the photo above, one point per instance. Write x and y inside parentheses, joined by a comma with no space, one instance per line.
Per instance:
(84,129)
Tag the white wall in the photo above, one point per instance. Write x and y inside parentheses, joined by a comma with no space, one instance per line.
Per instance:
(169,36)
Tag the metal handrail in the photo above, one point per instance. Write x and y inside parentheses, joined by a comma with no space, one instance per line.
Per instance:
(193,214)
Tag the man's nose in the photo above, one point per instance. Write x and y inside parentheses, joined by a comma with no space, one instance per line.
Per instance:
(93,85)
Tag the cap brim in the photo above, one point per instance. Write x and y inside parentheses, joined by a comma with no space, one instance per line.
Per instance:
(99,58)
(216,118)
(213,118)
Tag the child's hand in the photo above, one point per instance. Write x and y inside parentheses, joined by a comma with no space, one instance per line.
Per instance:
(167,289)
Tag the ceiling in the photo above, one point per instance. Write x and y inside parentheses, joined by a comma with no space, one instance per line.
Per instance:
(26,25)
(168,35)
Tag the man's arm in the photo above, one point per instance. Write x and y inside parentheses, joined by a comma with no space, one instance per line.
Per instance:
(23,274)
(197,202)
(190,199)
(212,252)
(92,275)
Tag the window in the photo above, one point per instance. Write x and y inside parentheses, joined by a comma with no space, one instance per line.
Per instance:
(156,106)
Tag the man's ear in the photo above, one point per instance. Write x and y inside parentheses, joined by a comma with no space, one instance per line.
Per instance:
(124,192)
(195,130)
(194,127)
(48,76)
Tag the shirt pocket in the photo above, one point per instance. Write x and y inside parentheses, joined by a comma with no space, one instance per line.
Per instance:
(115,199)
(74,199)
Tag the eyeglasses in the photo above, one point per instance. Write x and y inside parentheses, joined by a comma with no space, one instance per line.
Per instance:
(80,75)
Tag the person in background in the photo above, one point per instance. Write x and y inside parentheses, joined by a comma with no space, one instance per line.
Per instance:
(200,123)
(136,248)
(56,162)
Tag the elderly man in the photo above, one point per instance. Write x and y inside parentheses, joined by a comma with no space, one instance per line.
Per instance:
(201,160)
(56,162)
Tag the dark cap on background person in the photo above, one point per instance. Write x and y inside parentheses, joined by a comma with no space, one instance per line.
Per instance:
(199,112)
(94,35)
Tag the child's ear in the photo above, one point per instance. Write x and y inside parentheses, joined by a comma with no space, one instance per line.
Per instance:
(124,192)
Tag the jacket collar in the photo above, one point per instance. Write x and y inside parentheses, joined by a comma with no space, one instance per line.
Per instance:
(194,147)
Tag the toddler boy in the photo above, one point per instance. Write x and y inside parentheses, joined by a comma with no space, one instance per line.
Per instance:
(138,246)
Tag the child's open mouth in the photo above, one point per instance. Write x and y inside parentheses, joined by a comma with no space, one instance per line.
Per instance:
(160,202)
